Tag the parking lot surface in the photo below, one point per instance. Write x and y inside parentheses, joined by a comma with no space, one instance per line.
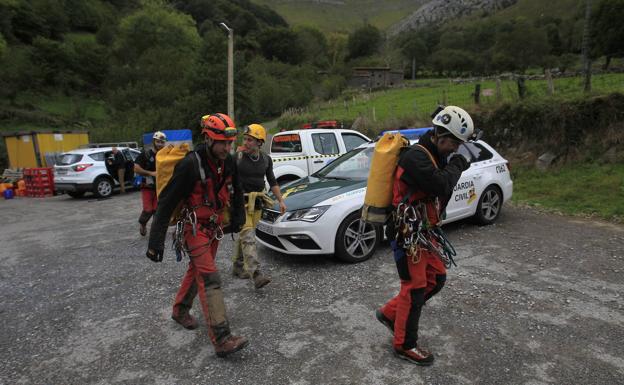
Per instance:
(536,299)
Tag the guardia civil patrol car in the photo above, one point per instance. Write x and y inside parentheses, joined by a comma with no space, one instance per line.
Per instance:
(324,208)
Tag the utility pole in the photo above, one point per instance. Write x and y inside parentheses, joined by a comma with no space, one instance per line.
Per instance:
(586,48)
(230,88)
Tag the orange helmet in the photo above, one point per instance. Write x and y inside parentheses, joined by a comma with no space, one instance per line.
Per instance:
(219,127)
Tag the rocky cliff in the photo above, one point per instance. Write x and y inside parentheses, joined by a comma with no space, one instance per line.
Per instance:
(438,11)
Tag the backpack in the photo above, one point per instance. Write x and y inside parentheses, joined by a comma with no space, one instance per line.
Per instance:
(378,200)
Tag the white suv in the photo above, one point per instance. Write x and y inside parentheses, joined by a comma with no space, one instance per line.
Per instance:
(83,170)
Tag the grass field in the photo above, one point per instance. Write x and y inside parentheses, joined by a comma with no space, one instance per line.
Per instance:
(419,98)
(579,189)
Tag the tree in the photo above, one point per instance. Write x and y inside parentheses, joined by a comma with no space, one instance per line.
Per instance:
(314,45)
(520,45)
(364,41)
(337,49)
(281,44)
(453,61)
(413,48)
(17,73)
(608,29)
(155,53)
(3,46)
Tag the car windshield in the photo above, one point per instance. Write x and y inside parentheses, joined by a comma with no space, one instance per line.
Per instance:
(68,159)
(353,165)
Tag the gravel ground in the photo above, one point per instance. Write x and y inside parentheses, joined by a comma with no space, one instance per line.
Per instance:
(536,299)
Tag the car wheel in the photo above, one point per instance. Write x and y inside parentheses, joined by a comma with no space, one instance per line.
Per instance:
(76,194)
(356,240)
(284,180)
(490,205)
(103,187)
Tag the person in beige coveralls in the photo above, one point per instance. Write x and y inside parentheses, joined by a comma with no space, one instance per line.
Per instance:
(253,166)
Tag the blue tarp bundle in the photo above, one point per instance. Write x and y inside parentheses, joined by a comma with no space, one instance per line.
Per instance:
(172,136)
(410,133)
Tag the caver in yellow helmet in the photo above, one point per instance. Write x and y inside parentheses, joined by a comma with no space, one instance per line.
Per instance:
(256,131)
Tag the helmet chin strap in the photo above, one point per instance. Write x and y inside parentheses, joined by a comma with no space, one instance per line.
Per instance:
(209,143)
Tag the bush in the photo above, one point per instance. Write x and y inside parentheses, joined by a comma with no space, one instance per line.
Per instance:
(564,126)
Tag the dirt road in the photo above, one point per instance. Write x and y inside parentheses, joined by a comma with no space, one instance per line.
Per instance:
(536,299)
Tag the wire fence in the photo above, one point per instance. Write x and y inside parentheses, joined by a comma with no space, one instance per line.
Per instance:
(419,98)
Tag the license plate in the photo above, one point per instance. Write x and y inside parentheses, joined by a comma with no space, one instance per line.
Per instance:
(61,171)
(265,228)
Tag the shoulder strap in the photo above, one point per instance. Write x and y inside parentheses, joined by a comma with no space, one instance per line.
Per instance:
(435,164)
(202,176)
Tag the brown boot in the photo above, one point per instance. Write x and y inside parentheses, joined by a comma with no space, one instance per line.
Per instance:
(230,345)
(185,319)
(260,280)
(239,271)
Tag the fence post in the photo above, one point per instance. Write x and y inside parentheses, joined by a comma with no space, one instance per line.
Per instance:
(521,87)
(499,90)
(477,93)
(549,81)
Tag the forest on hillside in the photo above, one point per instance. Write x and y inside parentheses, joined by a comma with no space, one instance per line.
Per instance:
(156,64)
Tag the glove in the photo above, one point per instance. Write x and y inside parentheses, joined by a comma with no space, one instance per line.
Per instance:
(460,161)
(155,255)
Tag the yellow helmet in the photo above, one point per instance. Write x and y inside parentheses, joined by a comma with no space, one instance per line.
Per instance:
(256,131)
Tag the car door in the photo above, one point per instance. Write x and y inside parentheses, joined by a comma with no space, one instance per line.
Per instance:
(465,193)
(129,175)
(474,181)
(352,140)
(324,150)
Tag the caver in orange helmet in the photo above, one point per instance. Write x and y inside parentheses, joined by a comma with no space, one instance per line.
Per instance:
(219,127)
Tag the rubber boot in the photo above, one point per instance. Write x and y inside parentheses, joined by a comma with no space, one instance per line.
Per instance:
(185,319)
(230,345)
(181,310)
(238,271)
(260,280)
(224,342)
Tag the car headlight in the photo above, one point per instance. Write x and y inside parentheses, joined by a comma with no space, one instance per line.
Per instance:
(307,215)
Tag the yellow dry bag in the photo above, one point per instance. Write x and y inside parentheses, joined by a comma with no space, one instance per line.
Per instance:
(166,160)
(378,199)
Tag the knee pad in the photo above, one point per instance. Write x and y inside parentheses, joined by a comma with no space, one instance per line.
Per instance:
(211,280)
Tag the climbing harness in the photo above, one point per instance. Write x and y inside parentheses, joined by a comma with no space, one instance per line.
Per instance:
(188,218)
(416,233)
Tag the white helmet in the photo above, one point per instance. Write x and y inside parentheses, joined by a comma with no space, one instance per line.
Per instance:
(456,121)
(159,135)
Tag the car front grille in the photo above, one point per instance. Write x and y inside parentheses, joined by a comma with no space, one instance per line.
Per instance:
(270,215)
(270,239)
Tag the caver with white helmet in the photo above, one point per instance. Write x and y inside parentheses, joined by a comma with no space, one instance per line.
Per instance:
(456,121)
(423,182)
(159,135)
(158,140)
(145,166)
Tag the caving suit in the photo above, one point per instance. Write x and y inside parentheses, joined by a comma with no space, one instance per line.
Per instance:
(208,200)
(424,180)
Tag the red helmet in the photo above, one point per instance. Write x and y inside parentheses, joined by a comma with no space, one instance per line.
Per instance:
(219,127)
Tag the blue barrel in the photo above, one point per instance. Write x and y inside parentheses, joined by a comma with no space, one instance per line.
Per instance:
(8,193)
